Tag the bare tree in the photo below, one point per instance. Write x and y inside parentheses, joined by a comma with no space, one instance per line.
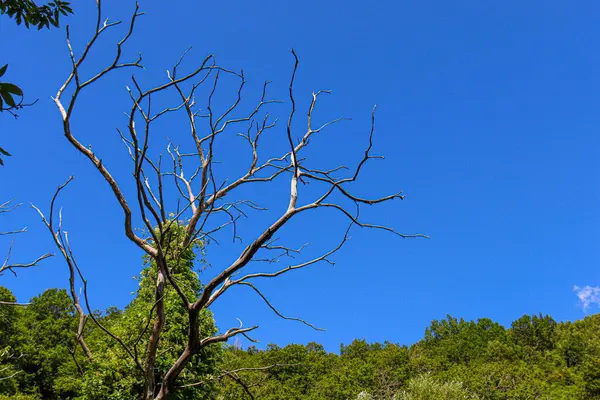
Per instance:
(7,265)
(201,200)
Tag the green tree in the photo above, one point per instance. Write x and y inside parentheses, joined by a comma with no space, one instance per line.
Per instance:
(40,338)
(8,355)
(114,375)
(425,387)
(535,331)
(591,377)
(456,341)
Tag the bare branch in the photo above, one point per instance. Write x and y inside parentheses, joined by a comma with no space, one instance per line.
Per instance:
(224,337)
(365,225)
(6,207)
(296,174)
(23,230)
(66,113)
(10,376)
(11,303)
(275,310)
(6,266)
(62,243)
(234,372)
(324,257)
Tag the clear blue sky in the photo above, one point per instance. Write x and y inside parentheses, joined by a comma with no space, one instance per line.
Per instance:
(489,115)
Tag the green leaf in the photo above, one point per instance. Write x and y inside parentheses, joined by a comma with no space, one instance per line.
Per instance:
(6,153)
(8,99)
(10,88)
(3,70)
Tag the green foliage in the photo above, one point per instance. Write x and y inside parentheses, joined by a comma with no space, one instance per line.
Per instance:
(453,341)
(536,358)
(114,375)
(591,377)
(425,387)
(38,342)
(7,93)
(18,397)
(534,331)
(29,13)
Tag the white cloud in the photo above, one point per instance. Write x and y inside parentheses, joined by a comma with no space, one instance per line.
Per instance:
(588,295)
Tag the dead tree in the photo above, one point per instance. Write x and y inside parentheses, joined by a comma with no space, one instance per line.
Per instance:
(7,265)
(200,198)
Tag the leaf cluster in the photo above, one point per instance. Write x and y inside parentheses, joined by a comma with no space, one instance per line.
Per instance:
(7,91)
(31,14)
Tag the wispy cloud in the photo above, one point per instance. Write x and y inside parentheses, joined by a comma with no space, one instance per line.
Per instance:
(587,295)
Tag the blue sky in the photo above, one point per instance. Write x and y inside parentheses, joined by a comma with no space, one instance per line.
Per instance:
(487,115)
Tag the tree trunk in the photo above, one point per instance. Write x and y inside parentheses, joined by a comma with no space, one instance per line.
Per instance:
(159,323)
